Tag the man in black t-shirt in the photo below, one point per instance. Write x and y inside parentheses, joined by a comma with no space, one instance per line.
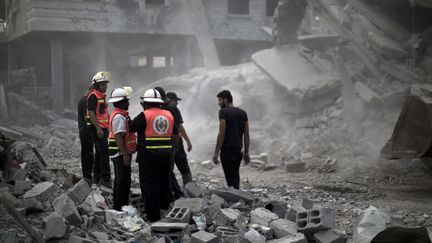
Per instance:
(233,130)
(87,156)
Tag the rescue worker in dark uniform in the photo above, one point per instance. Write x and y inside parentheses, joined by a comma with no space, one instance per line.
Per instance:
(180,157)
(155,129)
(87,155)
(122,144)
(98,119)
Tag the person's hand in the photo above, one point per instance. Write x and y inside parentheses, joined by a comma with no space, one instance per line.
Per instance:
(100,133)
(189,146)
(215,159)
(246,158)
(126,160)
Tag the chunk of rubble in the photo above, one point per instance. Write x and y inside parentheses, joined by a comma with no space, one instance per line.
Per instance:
(235,195)
(79,192)
(65,207)
(194,190)
(298,238)
(195,204)
(226,216)
(262,216)
(252,236)
(204,237)
(55,227)
(42,191)
(283,228)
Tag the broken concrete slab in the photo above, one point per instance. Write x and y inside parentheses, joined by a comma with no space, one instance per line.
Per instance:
(79,192)
(386,46)
(180,215)
(65,207)
(252,236)
(366,94)
(172,230)
(328,236)
(42,191)
(55,227)
(295,167)
(22,186)
(227,234)
(226,216)
(204,237)
(277,207)
(262,216)
(195,204)
(9,236)
(77,239)
(210,212)
(215,199)
(315,220)
(31,205)
(298,238)
(194,190)
(235,195)
(283,228)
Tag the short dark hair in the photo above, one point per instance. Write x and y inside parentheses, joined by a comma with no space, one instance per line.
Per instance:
(225,94)
(120,104)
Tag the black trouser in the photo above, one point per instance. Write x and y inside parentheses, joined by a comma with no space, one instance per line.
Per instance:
(102,167)
(182,164)
(154,174)
(87,155)
(122,183)
(231,159)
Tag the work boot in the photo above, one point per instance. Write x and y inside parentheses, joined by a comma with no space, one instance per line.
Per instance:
(186,178)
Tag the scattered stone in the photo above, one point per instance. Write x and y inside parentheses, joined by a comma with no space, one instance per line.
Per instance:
(101,236)
(307,204)
(42,191)
(328,236)
(204,237)
(227,234)
(226,216)
(252,236)
(55,227)
(195,204)
(235,195)
(295,167)
(193,190)
(215,199)
(9,236)
(22,186)
(76,239)
(65,207)
(262,216)
(283,228)
(298,238)
(114,217)
(79,192)
(277,207)
(180,215)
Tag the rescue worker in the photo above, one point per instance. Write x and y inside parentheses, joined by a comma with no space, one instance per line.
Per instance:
(122,144)
(155,129)
(98,117)
(180,157)
(176,191)
(87,155)
(233,127)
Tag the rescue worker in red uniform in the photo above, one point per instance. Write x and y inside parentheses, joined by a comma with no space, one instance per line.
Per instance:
(122,144)
(98,120)
(155,129)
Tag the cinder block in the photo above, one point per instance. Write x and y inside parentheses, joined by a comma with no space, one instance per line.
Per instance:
(42,191)
(113,217)
(228,234)
(298,238)
(315,220)
(235,195)
(226,216)
(262,216)
(210,212)
(175,231)
(194,190)
(195,204)
(79,192)
(9,236)
(283,228)
(307,204)
(252,236)
(179,215)
(292,211)
(204,237)
(277,207)
(328,236)
(55,227)
(65,207)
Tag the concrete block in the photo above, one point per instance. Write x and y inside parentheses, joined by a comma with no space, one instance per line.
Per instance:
(31,205)
(252,236)
(215,199)
(65,207)
(173,230)
(292,211)
(227,234)
(210,212)
(387,46)
(195,204)
(22,186)
(235,195)
(55,227)
(328,236)
(113,217)
(307,204)
(9,236)
(18,175)
(226,216)
(76,239)
(262,216)
(277,207)
(315,220)
(79,192)
(180,215)
(194,190)
(42,191)
(298,238)
(204,237)
(295,167)
(266,231)
(283,228)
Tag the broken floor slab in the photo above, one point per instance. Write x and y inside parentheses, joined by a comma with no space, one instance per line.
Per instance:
(235,195)
(55,227)
(195,204)
(262,216)
(65,207)
(42,191)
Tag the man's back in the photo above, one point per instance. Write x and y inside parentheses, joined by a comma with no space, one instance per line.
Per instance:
(235,124)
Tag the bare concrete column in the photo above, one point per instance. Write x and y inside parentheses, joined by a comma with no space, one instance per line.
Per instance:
(11,59)
(57,80)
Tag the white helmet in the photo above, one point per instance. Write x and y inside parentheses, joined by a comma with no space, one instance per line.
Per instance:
(152,96)
(120,94)
(102,76)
